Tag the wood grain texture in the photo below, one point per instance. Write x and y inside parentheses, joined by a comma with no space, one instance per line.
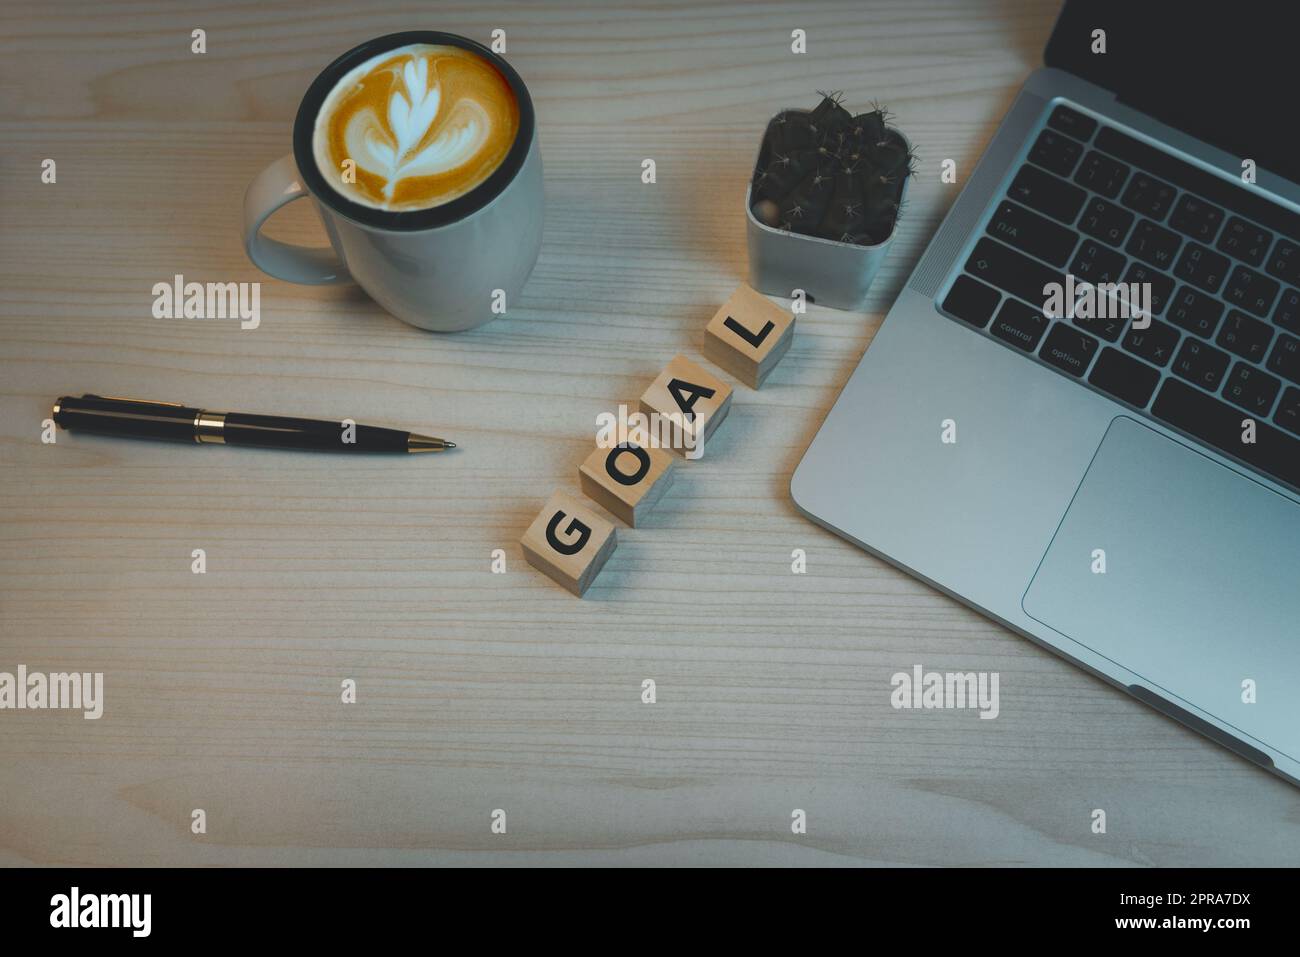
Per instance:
(481,691)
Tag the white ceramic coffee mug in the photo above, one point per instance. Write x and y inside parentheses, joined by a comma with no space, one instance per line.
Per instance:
(438,268)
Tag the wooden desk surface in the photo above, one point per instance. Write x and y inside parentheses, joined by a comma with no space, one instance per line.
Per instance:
(480,691)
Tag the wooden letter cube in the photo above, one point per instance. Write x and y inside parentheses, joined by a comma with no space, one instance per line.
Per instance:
(569,542)
(626,480)
(748,336)
(684,388)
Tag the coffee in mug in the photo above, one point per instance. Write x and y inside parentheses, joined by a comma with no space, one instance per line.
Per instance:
(423,125)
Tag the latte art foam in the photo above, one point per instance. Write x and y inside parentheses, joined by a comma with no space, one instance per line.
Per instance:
(423,125)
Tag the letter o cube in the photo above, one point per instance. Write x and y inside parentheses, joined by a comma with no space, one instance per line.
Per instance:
(626,480)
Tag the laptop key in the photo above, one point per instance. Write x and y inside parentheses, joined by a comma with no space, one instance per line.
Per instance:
(1250,290)
(1055,152)
(1251,389)
(1288,410)
(1196,218)
(1095,263)
(971,301)
(1155,344)
(1148,196)
(1047,194)
(1247,337)
(1101,174)
(1068,349)
(1285,358)
(1201,363)
(1161,285)
(1153,244)
(1245,241)
(1124,377)
(1004,268)
(1032,233)
(1218,424)
(1201,267)
(1108,328)
(1287,314)
(1284,262)
(1073,122)
(1195,312)
(1018,324)
(1105,221)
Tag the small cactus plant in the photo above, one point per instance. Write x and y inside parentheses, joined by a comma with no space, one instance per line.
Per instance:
(830,174)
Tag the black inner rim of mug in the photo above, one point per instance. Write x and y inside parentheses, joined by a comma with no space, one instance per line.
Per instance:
(304,128)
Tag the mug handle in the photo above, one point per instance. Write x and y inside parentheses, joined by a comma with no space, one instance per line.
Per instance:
(276,186)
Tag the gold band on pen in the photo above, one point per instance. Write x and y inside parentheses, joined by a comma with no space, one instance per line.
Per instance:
(209,427)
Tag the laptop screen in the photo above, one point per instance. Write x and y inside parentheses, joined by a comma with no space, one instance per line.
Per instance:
(1226,73)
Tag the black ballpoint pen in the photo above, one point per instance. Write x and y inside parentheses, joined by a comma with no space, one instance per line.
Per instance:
(171,421)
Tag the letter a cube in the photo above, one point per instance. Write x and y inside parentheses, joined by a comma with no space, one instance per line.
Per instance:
(694,400)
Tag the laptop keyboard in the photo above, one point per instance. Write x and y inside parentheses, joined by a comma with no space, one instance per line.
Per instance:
(1223,265)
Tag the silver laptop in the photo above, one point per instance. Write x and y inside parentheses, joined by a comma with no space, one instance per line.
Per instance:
(1128,497)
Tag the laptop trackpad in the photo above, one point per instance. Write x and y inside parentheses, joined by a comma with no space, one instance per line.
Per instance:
(1201,588)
